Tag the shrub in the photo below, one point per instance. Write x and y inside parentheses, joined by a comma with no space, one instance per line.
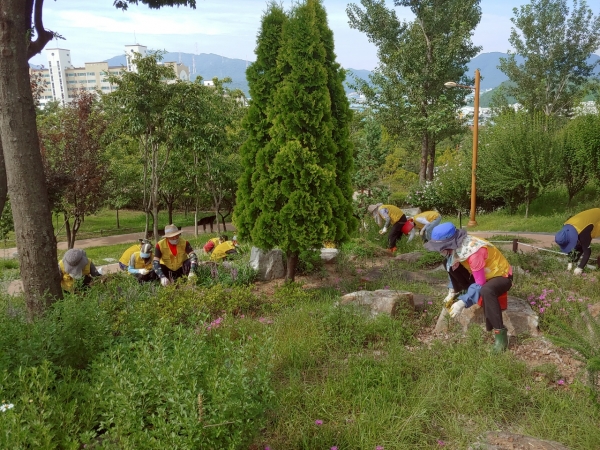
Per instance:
(309,261)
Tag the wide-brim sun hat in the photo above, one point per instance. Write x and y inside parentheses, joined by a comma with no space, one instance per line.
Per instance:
(74,261)
(171,231)
(373,208)
(566,238)
(445,236)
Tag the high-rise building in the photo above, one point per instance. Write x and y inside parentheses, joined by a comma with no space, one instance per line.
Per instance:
(63,80)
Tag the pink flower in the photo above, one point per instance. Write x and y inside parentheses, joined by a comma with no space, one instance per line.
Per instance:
(561,382)
(441,443)
(334,448)
(379,447)
(542,310)
(318,422)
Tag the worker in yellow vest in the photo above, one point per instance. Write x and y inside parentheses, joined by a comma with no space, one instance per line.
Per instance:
(394,216)
(174,257)
(575,238)
(126,256)
(480,271)
(212,243)
(74,266)
(425,222)
(225,250)
(140,264)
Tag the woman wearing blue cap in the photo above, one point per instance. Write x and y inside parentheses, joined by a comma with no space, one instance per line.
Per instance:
(575,237)
(476,266)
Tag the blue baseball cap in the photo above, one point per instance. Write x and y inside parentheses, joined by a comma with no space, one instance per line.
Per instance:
(566,238)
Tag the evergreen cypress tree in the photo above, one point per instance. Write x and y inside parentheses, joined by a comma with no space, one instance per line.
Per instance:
(263,79)
(300,187)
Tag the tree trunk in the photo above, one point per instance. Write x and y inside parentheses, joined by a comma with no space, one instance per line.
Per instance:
(170,210)
(424,154)
(431,162)
(3,185)
(154,193)
(292,263)
(68,232)
(118,224)
(23,162)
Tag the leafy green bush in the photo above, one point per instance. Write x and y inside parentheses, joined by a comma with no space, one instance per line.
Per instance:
(309,261)
(237,273)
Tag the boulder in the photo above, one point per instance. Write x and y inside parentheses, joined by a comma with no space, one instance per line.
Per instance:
(269,265)
(381,301)
(329,255)
(411,257)
(518,318)
(502,440)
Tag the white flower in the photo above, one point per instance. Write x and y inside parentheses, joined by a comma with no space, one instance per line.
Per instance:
(6,406)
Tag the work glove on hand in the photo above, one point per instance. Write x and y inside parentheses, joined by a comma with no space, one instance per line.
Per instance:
(164,281)
(457,308)
(577,271)
(569,266)
(143,271)
(192,275)
(411,235)
(449,298)
(422,232)
(383,230)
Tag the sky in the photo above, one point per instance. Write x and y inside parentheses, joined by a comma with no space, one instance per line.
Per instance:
(96,31)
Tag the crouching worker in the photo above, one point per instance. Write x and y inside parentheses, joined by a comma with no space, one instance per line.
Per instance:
(140,264)
(212,243)
(75,265)
(425,222)
(126,256)
(575,238)
(225,250)
(394,216)
(174,257)
(477,267)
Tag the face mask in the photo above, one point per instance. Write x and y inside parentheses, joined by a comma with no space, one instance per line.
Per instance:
(173,241)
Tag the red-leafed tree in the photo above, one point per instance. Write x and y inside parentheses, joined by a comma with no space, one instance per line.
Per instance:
(23,35)
(74,162)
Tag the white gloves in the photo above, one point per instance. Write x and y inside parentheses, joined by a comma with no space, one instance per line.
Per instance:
(143,271)
(449,298)
(383,230)
(569,266)
(577,271)
(192,275)
(164,281)
(457,308)
(422,232)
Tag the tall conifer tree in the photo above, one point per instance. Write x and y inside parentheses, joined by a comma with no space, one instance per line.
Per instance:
(263,78)
(301,190)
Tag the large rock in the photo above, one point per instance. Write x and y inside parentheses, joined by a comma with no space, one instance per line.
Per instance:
(502,440)
(269,265)
(518,318)
(381,301)
(329,255)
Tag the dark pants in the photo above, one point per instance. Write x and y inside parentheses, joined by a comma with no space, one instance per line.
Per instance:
(174,274)
(150,276)
(396,232)
(461,279)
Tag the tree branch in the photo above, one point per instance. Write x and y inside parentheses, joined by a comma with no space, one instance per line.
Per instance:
(43,36)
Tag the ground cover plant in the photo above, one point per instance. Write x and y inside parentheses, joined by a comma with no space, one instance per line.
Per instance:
(284,366)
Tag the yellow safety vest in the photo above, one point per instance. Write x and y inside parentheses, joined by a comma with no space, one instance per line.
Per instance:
(220,251)
(173,262)
(126,256)
(139,262)
(395,213)
(429,216)
(496,264)
(67,282)
(585,218)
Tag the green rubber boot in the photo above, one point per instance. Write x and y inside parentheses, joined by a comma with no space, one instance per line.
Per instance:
(500,340)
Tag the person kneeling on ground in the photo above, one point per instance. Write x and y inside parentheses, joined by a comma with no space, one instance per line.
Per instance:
(225,250)
(75,265)
(476,266)
(575,238)
(394,216)
(174,257)
(140,264)
(212,243)
(425,222)
(126,256)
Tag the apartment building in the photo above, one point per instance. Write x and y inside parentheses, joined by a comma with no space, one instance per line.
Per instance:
(63,80)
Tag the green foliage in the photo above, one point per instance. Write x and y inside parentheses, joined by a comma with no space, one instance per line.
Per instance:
(6,221)
(299,191)
(236,274)
(517,157)
(555,44)
(416,59)
(309,262)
